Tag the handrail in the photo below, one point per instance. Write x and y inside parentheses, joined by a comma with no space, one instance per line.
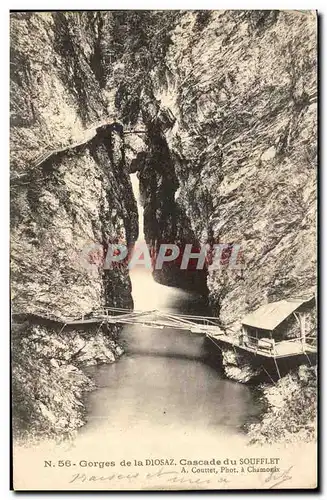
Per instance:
(89,133)
(159,319)
(294,339)
(178,314)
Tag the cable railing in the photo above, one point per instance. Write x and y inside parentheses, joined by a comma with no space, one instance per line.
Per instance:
(151,318)
(272,345)
(208,325)
(48,152)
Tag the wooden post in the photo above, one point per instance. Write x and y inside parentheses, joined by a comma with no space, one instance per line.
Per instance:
(268,374)
(278,372)
(110,53)
(62,328)
(298,318)
(303,318)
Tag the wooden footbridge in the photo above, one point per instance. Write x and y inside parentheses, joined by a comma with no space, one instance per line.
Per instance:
(150,319)
(207,326)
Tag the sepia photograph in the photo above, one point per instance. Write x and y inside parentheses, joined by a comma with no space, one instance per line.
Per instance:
(163,250)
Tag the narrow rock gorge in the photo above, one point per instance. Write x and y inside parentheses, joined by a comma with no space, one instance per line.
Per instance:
(65,209)
(226,105)
(231,153)
(240,140)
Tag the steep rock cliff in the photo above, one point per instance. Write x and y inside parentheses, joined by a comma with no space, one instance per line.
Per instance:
(241,86)
(64,212)
(56,95)
(233,103)
(65,208)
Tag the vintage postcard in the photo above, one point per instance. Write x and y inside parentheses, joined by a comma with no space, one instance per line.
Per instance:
(163,249)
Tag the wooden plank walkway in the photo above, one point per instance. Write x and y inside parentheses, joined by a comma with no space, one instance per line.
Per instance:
(282,349)
(204,325)
(88,135)
(151,319)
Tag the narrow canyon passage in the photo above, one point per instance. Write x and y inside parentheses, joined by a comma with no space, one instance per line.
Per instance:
(194,129)
(162,390)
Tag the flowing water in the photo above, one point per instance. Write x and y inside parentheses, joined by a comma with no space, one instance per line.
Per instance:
(162,392)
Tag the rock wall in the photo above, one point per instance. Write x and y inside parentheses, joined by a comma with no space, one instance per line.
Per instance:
(48,380)
(290,409)
(56,95)
(165,221)
(64,212)
(65,208)
(241,86)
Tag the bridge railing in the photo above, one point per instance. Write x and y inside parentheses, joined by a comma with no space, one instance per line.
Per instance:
(204,320)
(271,345)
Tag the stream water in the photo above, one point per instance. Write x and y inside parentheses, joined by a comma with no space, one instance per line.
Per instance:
(162,393)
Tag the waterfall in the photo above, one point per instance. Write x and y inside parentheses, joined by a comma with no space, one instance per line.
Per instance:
(147,294)
(136,190)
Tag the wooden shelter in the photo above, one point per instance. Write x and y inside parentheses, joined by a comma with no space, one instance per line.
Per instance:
(286,320)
